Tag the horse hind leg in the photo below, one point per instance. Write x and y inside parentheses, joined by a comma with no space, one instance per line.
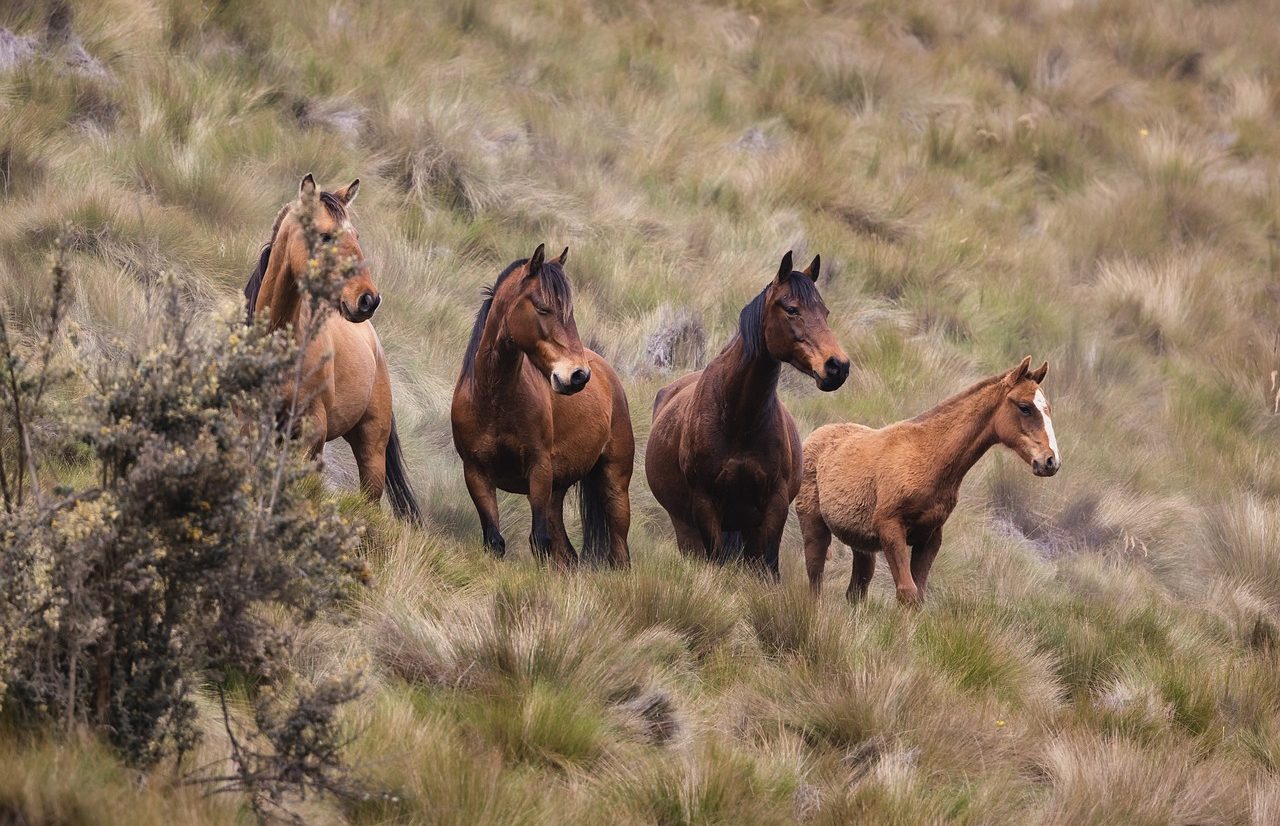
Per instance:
(864,567)
(605,505)
(817,540)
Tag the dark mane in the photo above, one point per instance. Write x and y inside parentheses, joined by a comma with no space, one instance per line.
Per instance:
(951,402)
(332,205)
(555,292)
(255,283)
(751,319)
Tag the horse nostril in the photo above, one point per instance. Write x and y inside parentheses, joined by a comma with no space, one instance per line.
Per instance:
(836,367)
(368,303)
(579,377)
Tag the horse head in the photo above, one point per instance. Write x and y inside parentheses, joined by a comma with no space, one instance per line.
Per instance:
(538,317)
(1022,420)
(794,321)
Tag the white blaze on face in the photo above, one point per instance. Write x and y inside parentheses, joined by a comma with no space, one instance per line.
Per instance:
(1042,404)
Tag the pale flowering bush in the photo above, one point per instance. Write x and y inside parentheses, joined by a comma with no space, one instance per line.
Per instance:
(121,598)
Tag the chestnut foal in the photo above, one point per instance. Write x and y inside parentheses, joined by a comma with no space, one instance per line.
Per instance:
(887,489)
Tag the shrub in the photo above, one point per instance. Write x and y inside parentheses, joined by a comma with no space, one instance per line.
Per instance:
(121,597)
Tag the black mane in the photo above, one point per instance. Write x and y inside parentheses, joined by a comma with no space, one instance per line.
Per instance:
(332,205)
(555,291)
(751,319)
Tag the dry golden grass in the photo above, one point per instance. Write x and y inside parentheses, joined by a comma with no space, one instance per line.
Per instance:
(1089,183)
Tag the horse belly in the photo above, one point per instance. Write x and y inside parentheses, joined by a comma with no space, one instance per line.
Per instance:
(847,502)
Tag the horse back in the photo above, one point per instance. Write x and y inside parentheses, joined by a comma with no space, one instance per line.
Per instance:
(666,394)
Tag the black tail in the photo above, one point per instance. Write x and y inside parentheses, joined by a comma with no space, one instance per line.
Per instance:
(403,502)
(731,546)
(595,530)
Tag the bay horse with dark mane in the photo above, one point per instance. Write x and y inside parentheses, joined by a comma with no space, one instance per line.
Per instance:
(724,455)
(891,490)
(535,412)
(345,390)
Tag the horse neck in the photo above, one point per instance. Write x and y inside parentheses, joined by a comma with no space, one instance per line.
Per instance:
(280,289)
(747,388)
(498,361)
(963,434)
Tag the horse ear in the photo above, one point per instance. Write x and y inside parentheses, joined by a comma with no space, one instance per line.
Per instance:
(348,193)
(784,269)
(535,262)
(1037,375)
(308,185)
(1019,373)
(815,266)
(564,256)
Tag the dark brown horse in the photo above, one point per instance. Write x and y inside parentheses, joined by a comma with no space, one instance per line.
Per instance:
(345,390)
(893,488)
(724,455)
(535,412)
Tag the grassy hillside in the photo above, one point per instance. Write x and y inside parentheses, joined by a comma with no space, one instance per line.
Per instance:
(1094,184)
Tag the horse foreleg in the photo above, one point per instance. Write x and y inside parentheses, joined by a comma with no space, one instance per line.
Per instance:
(368,442)
(922,557)
(540,507)
(562,549)
(688,537)
(762,544)
(817,539)
(313,428)
(485,498)
(893,541)
(707,521)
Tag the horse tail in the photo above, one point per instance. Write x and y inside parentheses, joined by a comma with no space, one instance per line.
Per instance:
(731,546)
(403,501)
(596,544)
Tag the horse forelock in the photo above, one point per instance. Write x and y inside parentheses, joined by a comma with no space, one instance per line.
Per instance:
(751,319)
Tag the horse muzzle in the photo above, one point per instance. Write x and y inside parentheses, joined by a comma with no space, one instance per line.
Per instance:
(1046,467)
(833,375)
(364,309)
(576,381)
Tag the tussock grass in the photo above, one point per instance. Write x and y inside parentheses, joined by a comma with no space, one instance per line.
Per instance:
(1088,183)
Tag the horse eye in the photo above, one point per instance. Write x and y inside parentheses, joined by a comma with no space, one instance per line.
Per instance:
(791,310)
(542,310)
(1025,408)
(327,237)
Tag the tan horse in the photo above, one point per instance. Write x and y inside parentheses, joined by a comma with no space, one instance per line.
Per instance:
(535,412)
(724,455)
(346,388)
(887,489)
